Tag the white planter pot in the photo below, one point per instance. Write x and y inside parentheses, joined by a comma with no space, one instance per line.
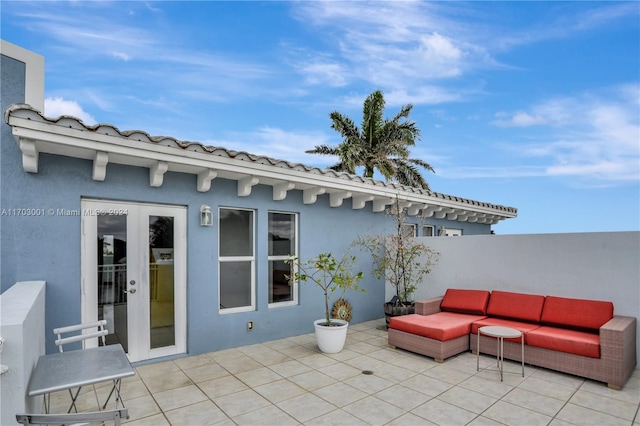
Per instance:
(331,339)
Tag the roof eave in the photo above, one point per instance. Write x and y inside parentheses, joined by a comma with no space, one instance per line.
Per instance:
(104,144)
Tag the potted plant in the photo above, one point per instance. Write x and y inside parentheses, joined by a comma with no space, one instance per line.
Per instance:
(331,275)
(402,261)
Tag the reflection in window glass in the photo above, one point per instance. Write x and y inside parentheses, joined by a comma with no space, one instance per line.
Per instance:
(236,232)
(427,231)
(282,245)
(112,277)
(235,284)
(236,261)
(161,282)
(408,230)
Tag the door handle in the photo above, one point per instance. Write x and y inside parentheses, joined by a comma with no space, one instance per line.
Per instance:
(132,291)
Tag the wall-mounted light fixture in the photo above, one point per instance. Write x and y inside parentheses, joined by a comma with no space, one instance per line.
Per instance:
(206,217)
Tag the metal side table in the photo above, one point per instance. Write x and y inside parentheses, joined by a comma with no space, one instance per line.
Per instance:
(500,333)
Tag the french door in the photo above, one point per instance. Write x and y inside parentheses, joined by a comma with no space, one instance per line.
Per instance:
(134,275)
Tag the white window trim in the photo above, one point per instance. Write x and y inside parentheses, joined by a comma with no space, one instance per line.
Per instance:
(251,259)
(454,231)
(413,226)
(295,284)
(433,230)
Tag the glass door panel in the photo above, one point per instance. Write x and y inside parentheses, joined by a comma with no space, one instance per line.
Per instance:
(112,276)
(161,281)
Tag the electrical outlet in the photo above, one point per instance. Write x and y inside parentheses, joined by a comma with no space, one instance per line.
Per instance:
(250,325)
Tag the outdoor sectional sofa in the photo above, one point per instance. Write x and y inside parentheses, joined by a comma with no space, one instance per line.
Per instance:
(575,336)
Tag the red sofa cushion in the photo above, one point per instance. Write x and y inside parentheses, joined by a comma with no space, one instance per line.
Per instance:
(473,302)
(576,313)
(524,327)
(518,306)
(442,326)
(564,340)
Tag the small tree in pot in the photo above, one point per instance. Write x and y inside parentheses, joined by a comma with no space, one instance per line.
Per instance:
(402,261)
(330,274)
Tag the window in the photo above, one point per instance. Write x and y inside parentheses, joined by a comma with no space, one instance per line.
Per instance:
(283,243)
(427,230)
(236,260)
(408,230)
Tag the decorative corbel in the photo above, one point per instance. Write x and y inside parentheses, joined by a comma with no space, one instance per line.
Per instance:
(359,201)
(442,213)
(379,204)
(245,184)
(415,209)
(100,161)
(156,173)
(204,179)
(336,198)
(431,210)
(29,155)
(280,190)
(310,196)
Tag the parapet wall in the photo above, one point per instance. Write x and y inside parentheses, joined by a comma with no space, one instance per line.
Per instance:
(22,327)
(601,266)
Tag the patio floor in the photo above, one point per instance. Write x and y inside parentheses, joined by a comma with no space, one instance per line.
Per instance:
(289,382)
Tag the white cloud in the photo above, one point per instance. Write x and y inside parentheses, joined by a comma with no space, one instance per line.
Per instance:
(518,119)
(491,172)
(326,73)
(121,55)
(594,136)
(395,46)
(280,144)
(55,107)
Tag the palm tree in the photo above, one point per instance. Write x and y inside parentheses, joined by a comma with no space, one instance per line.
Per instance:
(381,144)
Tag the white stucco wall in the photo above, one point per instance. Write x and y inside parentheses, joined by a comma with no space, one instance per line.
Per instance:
(22,327)
(601,266)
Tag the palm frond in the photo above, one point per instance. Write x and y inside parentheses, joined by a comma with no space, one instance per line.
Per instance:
(380,144)
(324,150)
(407,174)
(345,126)
(372,116)
(420,163)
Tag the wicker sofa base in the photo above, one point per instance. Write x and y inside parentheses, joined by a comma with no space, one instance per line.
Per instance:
(614,367)
(435,349)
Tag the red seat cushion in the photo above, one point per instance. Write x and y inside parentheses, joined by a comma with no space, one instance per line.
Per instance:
(518,306)
(563,340)
(576,313)
(524,327)
(473,302)
(442,326)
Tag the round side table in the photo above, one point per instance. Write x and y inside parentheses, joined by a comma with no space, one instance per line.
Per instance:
(500,333)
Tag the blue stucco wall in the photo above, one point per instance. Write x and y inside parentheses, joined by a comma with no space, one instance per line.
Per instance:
(12,89)
(48,247)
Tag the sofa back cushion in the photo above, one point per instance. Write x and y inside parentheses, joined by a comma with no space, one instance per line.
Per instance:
(576,313)
(517,306)
(472,302)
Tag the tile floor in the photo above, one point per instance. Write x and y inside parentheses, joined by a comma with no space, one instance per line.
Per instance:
(288,382)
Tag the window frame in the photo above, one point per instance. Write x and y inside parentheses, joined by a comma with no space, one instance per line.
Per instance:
(271,258)
(433,230)
(251,259)
(414,230)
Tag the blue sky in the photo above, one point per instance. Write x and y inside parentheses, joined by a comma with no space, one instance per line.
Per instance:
(533,105)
